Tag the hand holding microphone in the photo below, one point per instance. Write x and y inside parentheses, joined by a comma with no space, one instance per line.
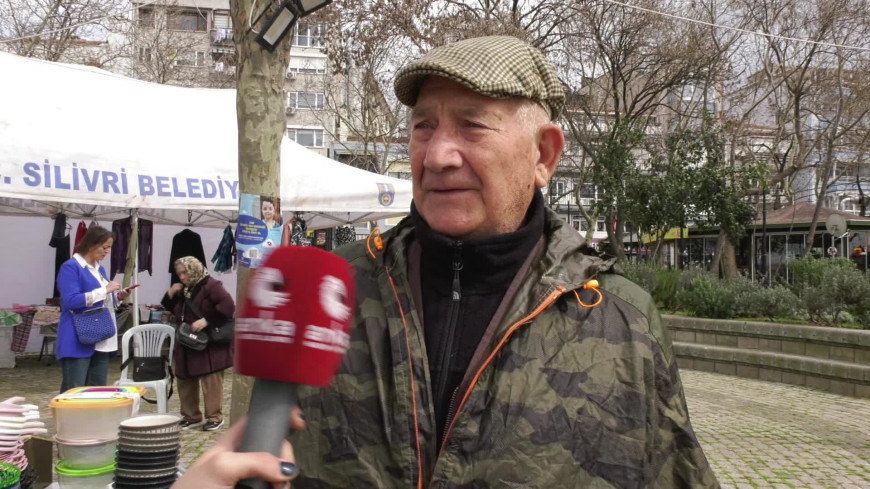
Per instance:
(221,467)
(293,329)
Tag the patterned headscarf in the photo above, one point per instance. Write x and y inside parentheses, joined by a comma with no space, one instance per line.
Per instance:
(196,271)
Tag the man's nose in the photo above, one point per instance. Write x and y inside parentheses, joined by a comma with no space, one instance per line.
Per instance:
(444,149)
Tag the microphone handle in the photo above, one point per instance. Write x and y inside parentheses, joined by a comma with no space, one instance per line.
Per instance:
(268,422)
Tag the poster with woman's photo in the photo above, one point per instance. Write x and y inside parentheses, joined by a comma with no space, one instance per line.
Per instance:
(260,228)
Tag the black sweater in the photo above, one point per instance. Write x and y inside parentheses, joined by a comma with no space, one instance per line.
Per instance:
(480,270)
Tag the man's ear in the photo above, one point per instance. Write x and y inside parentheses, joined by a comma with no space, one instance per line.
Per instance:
(551,141)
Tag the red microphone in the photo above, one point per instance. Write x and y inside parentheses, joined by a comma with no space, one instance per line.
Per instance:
(293,329)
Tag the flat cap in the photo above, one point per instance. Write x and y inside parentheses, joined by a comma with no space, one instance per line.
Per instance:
(495,66)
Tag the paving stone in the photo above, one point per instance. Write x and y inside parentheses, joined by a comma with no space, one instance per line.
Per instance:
(793,436)
(755,433)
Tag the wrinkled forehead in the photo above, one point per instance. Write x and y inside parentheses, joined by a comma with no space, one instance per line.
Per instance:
(436,91)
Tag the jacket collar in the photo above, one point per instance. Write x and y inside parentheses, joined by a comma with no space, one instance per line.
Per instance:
(566,262)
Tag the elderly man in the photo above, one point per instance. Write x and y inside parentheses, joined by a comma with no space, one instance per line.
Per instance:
(488,351)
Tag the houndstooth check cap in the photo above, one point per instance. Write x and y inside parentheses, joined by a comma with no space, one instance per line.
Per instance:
(495,66)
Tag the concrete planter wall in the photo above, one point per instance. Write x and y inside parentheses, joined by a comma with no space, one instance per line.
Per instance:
(831,359)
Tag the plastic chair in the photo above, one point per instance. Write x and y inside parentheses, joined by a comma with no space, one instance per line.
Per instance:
(148,342)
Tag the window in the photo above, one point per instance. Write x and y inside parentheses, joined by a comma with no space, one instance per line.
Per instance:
(190,58)
(187,20)
(309,35)
(145,55)
(146,17)
(307,65)
(557,191)
(313,138)
(305,100)
(222,20)
(402,175)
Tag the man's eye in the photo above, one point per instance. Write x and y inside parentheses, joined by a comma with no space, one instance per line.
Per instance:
(422,125)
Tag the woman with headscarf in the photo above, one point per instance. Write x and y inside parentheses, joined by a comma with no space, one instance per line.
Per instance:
(200,368)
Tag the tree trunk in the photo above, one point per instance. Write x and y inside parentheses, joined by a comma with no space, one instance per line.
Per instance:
(729,260)
(615,236)
(823,191)
(717,255)
(811,236)
(261,125)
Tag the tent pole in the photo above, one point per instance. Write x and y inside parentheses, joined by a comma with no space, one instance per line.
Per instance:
(135,224)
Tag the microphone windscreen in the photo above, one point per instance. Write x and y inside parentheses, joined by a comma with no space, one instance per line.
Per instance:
(294,324)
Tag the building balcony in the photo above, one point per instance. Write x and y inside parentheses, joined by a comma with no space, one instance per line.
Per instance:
(222,37)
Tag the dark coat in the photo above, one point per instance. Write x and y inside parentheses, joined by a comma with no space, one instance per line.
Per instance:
(217,306)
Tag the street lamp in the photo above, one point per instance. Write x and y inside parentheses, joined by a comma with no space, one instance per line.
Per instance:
(283,20)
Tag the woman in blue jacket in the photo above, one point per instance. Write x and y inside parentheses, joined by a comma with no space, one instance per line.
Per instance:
(83,285)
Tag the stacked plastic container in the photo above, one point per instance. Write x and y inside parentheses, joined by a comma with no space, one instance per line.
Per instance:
(148,448)
(17,422)
(87,420)
(10,476)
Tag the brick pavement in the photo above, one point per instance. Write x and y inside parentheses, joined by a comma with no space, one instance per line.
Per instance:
(755,433)
(764,434)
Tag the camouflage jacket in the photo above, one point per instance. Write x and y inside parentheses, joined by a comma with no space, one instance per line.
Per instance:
(564,396)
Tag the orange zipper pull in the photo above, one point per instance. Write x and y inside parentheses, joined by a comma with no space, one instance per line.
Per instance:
(379,242)
(590,285)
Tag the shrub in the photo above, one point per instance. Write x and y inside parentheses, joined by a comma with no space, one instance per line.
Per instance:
(688,275)
(642,274)
(660,282)
(667,286)
(774,302)
(835,291)
(708,297)
(745,293)
(809,272)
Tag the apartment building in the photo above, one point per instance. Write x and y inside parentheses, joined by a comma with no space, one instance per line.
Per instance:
(190,43)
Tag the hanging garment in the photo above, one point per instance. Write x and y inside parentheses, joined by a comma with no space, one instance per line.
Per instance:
(344,235)
(185,243)
(132,247)
(299,237)
(123,231)
(288,231)
(60,242)
(226,252)
(80,233)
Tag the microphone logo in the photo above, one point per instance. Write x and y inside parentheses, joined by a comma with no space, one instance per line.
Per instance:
(333,298)
(266,289)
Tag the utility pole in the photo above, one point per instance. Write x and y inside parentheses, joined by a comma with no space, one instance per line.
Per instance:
(261,125)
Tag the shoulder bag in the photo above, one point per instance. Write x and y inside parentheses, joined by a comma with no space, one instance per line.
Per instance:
(185,335)
(218,334)
(93,325)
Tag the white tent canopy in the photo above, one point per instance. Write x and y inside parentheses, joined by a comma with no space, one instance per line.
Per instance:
(97,144)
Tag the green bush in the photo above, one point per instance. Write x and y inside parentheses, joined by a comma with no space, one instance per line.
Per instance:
(661,283)
(809,272)
(745,293)
(708,297)
(667,286)
(774,302)
(642,274)
(688,275)
(838,290)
